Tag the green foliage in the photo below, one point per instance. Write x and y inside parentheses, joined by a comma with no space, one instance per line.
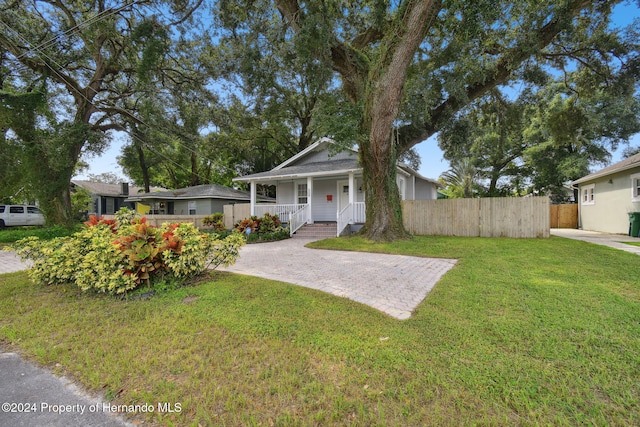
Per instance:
(115,258)
(81,202)
(126,215)
(14,234)
(263,229)
(279,233)
(215,220)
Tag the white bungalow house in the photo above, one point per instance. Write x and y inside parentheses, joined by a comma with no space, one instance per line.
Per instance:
(609,195)
(315,186)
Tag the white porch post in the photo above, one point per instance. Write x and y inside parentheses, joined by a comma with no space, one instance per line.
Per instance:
(309,198)
(252,198)
(352,194)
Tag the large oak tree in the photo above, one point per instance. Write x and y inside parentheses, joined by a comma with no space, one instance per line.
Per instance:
(413,64)
(83,60)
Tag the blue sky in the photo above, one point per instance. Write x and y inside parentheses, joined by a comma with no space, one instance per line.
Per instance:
(433,164)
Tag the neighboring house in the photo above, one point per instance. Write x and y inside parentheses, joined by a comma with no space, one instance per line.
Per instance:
(198,200)
(107,198)
(314,186)
(609,195)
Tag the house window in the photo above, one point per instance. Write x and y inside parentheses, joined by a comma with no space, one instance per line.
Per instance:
(302,194)
(635,187)
(588,195)
(401,188)
(192,208)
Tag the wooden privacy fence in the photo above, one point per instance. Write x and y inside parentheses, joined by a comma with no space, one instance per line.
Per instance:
(235,213)
(526,217)
(564,216)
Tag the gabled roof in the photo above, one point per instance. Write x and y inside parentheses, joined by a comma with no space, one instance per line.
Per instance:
(331,167)
(205,191)
(290,170)
(319,145)
(628,163)
(111,190)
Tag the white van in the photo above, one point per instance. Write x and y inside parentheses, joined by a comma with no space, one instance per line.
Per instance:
(14,215)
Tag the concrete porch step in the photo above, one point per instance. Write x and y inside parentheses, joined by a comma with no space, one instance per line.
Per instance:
(317,230)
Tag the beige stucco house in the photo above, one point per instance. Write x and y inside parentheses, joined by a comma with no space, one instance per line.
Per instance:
(609,195)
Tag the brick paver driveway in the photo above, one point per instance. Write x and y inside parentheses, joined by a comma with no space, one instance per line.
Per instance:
(394,284)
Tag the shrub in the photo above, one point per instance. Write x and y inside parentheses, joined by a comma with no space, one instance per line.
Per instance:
(264,229)
(110,257)
(279,233)
(251,222)
(14,234)
(215,220)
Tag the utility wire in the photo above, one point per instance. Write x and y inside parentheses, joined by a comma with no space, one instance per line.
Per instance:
(38,52)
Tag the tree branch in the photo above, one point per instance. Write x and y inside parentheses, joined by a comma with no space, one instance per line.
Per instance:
(510,60)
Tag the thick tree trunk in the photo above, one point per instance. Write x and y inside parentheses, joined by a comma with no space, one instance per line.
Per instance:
(382,104)
(383,207)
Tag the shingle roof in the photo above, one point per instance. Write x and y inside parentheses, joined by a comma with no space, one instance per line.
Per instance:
(102,189)
(628,163)
(306,169)
(204,191)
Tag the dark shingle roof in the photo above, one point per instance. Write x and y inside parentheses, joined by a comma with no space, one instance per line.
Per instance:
(628,163)
(205,191)
(102,189)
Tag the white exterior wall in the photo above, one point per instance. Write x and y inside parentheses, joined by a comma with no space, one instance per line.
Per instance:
(425,190)
(324,210)
(613,202)
(284,192)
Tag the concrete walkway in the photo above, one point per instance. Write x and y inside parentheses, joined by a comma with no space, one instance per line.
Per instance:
(598,238)
(393,284)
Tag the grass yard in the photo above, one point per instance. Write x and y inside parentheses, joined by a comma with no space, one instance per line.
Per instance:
(520,332)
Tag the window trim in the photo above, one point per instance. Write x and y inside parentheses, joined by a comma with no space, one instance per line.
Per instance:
(590,192)
(302,186)
(635,187)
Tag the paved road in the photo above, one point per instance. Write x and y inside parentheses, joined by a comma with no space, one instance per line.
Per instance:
(393,284)
(31,396)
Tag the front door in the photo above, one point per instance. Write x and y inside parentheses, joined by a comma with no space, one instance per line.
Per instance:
(343,194)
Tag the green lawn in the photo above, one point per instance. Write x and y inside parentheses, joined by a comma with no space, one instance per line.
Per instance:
(520,332)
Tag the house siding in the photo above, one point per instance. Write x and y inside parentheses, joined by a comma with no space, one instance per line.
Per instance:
(324,210)
(610,212)
(323,156)
(425,190)
(284,192)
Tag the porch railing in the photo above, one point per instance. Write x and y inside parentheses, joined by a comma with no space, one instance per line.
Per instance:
(298,219)
(283,211)
(345,217)
(359,212)
(351,214)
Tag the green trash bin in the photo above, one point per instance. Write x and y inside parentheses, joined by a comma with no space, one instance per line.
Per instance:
(634,224)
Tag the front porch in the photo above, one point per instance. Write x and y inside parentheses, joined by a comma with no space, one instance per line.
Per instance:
(299,214)
(332,197)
